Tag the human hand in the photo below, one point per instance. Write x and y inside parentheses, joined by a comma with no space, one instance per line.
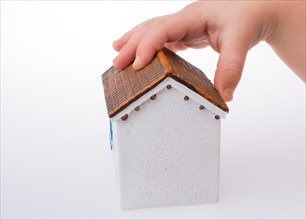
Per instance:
(230,28)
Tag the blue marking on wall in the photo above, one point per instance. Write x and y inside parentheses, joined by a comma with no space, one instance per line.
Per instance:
(110,134)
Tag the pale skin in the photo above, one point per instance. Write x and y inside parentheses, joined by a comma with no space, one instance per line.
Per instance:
(230,27)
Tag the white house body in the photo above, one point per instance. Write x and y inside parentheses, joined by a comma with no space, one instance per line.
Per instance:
(167,148)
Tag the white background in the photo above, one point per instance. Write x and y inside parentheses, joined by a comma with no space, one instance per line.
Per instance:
(55,157)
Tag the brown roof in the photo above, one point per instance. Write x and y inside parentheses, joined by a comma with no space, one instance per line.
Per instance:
(122,87)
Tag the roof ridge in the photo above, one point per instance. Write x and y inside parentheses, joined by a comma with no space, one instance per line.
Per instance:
(164,61)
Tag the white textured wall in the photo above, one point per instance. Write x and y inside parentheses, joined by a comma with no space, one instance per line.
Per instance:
(168,153)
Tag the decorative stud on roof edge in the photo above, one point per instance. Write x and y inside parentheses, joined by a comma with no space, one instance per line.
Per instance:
(137,108)
(201,107)
(124,117)
(186,98)
(168,86)
(217,117)
(153,97)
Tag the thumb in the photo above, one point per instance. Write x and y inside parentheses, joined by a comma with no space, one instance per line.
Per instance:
(229,67)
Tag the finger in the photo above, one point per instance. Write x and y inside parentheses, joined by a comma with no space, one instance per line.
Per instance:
(179,45)
(128,50)
(175,46)
(127,54)
(118,44)
(145,52)
(140,28)
(166,30)
(230,65)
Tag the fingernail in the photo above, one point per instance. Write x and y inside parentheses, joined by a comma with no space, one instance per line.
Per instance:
(227,94)
(114,44)
(137,65)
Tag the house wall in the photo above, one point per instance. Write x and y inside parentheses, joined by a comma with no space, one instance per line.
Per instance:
(167,153)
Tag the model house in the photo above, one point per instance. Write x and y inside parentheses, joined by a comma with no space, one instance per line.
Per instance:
(165,131)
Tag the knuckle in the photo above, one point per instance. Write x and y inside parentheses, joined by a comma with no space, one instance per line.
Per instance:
(154,20)
(233,71)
